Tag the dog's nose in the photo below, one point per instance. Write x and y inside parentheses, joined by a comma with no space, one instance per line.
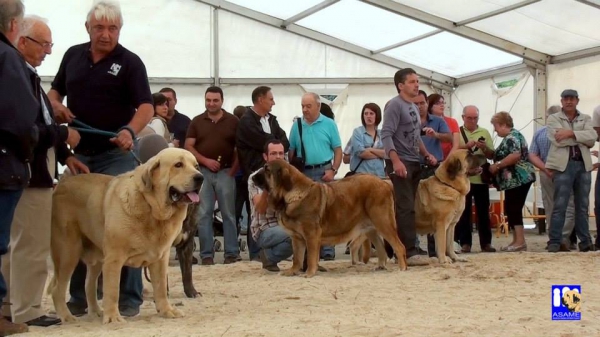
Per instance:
(198,179)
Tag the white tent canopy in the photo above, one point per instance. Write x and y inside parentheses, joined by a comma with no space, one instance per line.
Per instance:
(350,49)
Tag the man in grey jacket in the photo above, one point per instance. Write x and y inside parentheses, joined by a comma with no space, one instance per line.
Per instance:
(18,133)
(571,135)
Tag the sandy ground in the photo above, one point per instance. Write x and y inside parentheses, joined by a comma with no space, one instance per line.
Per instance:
(500,294)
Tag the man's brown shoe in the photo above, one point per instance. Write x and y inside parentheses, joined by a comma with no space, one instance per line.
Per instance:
(266,264)
(488,249)
(231,259)
(465,249)
(208,261)
(8,328)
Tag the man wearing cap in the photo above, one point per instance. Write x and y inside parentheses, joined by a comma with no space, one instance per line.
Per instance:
(571,135)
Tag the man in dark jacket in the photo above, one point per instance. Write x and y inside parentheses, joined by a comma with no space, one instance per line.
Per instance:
(24,266)
(257,126)
(18,134)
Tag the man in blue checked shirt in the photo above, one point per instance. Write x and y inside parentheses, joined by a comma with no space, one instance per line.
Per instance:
(538,153)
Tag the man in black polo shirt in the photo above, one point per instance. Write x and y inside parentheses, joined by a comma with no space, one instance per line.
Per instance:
(178,123)
(107,88)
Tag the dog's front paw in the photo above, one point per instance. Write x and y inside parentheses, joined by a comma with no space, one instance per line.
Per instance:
(171,313)
(290,272)
(69,319)
(380,268)
(191,293)
(97,312)
(309,274)
(446,260)
(459,258)
(114,318)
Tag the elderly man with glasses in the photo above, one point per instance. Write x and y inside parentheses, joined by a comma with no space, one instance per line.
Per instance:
(478,140)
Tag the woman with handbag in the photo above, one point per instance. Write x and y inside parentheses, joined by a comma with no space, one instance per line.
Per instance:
(514,175)
(367,149)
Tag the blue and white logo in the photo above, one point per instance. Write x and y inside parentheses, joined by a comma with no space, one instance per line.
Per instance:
(566,302)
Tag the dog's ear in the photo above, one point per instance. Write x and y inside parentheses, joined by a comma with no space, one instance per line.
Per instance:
(576,298)
(147,174)
(454,167)
(285,179)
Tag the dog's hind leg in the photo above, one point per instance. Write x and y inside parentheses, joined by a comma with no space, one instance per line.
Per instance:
(379,247)
(65,260)
(386,226)
(185,251)
(91,288)
(355,247)
(366,251)
(298,246)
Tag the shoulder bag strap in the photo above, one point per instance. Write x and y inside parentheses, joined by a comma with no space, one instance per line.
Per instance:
(362,159)
(301,142)
(462,131)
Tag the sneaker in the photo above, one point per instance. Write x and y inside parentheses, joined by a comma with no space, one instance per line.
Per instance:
(43,321)
(129,311)
(208,261)
(421,251)
(266,263)
(77,309)
(488,249)
(418,260)
(553,248)
(8,328)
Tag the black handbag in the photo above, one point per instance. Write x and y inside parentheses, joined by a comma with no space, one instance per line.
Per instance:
(353,172)
(299,162)
(486,176)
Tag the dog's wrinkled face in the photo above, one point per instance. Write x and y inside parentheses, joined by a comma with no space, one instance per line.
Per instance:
(277,176)
(571,300)
(175,173)
(459,161)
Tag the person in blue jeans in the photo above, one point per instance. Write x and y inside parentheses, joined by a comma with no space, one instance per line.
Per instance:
(320,141)
(211,139)
(107,88)
(274,241)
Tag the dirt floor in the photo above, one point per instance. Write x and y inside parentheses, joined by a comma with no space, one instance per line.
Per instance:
(494,294)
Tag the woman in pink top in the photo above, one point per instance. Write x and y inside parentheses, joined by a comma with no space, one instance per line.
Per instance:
(436,107)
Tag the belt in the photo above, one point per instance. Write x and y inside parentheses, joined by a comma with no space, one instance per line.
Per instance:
(310,167)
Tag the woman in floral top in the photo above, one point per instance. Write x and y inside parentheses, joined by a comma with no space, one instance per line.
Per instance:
(514,175)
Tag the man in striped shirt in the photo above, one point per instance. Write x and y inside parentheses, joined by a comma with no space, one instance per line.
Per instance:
(538,153)
(274,241)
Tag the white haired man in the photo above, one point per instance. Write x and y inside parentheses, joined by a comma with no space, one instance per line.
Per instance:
(107,88)
(25,265)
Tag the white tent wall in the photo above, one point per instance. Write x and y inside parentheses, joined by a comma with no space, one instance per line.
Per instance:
(169,47)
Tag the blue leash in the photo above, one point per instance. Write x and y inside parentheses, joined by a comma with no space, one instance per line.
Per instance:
(82,127)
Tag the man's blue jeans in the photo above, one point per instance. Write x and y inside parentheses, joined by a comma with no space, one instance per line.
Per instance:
(8,204)
(219,186)
(576,179)
(316,174)
(276,243)
(597,210)
(113,162)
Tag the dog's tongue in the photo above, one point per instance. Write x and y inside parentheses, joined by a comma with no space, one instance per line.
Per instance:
(194,197)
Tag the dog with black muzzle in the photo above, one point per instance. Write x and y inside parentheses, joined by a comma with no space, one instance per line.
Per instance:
(128,220)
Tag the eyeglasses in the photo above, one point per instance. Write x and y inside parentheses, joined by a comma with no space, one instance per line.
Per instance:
(471,118)
(42,44)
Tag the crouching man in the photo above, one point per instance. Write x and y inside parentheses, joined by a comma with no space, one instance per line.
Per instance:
(274,241)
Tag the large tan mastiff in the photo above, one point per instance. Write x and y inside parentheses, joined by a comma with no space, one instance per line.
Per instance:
(318,214)
(440,201)
(128,220)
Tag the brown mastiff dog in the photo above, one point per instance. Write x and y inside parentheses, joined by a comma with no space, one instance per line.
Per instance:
(129,220)
(440,201)
(318,214)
